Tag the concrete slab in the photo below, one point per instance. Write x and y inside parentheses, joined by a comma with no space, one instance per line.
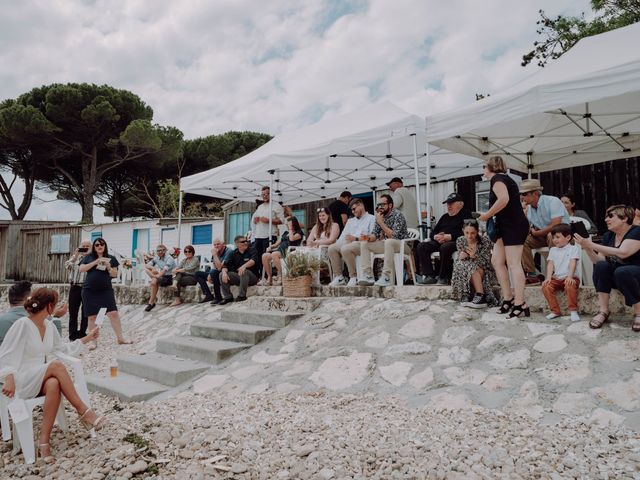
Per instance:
(127,388)
(200,349)
(273,319)
(160,368)
(234,332)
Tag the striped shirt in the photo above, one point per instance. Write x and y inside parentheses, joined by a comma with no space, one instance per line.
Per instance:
(76,277)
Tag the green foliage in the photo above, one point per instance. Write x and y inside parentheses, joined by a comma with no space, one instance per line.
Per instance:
(299,264)
(136,440)
(561,33)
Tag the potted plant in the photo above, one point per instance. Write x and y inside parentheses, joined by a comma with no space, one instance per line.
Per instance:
(297,272)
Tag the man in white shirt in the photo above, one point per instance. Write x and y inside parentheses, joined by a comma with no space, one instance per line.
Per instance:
(260,221)
(347,247)
(404,201)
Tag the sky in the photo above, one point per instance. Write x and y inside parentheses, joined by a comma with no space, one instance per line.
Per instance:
(208,67)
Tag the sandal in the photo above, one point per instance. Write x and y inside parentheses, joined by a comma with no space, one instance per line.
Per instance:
(636,323)
(506,306)
(599,319)
(97,424)
(48,459)
(519,311)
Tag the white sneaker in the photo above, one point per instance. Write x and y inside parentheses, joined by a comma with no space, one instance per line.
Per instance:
(353,282)
(366,281)
(383,282)
(339,281)
(574,316)
(552,315)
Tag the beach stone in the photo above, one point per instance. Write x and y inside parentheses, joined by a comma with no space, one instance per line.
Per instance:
(622,350)
(246,372)
(421,327)
(396,373)
(625,395)
(264,357)
(458,376)
(538,329)
(209,382)
(138,467)
(583,328)
(453,355)
(448,401)
(566,369)
(411,348)
(527,403)
(550,343)
(239,468)
(293,335)
(337,373)
(422,379)
(574,404)
(518,359)
(457,335)
(492,340)
(378,341)
(605,418)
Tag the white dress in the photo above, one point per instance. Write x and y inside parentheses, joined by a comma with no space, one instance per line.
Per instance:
(27,356)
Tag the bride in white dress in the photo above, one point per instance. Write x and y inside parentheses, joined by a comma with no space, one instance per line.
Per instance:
(28,367)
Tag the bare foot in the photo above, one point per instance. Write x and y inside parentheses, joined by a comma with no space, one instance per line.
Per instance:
(92,345)
(176,302)
(122,341)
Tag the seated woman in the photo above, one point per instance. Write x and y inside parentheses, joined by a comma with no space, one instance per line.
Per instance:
(472,270)
(29,344)
(325,231)
(276,252)
(617,263)
(570,204)
(185,274)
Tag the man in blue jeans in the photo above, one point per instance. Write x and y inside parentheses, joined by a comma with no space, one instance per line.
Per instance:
(220,253)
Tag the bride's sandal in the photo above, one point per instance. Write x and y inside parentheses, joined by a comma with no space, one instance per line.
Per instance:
(44,452)
(506,306)
(599,319)
(97,423)
(636,323)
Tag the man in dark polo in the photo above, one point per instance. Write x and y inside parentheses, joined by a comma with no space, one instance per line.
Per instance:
(241,269)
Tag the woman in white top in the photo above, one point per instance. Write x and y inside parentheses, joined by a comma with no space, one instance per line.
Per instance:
(325,231)
(28,369)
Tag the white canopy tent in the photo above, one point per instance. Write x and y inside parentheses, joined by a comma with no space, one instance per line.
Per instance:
(581,109)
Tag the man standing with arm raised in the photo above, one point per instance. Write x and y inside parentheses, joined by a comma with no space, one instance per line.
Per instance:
(260,220)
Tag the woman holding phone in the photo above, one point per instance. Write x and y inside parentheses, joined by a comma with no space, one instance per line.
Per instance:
(97,291)
(76,280)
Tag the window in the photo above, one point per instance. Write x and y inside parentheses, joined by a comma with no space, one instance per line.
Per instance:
(95,235)
(202,235)
(140,241)
(60,243)
(300,215)
(239,224)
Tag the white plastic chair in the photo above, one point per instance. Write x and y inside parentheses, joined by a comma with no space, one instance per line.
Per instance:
(400,258)
(23,431)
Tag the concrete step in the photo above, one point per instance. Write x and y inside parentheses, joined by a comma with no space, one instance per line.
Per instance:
(234,332)
(164,369)
(272,319)
(127,388)
(284,304)
(200,349)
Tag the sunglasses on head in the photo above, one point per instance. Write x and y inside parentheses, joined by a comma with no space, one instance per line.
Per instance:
(321,210)
(470,221)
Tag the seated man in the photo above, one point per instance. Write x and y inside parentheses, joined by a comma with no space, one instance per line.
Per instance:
(348,245)
(544,213)
(241,268)
(220,252)
(443,240)
(18,293)
(160,270)
(390,228)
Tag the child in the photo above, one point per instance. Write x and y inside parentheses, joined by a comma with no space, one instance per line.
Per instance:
(561,268)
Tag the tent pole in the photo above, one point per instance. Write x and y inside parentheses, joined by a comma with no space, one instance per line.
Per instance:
(270,204)
(415,171)
(428,189)
(529,166)
(179,214)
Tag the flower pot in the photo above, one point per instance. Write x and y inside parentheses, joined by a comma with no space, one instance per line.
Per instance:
(297,286)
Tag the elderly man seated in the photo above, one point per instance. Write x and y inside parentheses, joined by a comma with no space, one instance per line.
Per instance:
(443,240)
(219,254)
(544,213)
(160,270)
(389,230)
(347,247)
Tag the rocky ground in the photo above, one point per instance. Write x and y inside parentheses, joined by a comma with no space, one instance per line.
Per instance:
(374,388)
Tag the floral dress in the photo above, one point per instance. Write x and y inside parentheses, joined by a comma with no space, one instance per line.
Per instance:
(463,269)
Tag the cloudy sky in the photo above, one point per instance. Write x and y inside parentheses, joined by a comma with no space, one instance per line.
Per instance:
(268,65)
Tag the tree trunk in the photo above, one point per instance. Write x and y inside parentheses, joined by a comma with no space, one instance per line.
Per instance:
(90,184)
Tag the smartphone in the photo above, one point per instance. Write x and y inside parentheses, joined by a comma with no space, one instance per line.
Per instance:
(83,249)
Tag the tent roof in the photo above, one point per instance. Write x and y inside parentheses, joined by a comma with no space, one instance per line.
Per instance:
(360,151)
(580,109)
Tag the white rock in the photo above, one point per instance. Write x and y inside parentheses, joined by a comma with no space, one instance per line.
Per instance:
(421,327)
(293,335)
(517,359)
(264,357)
(321,339)
(298,368)
(527,403)
(410,348)
(605,418)
(435,309)
(492,340)
(138,467)
(568,368)
(623,350)
(378,341)
(422,379)
(338,373)
(209,382)
(458,376)
(538,329)
(625,395)
(576,404)
(246,372)
(457,335)
(550,343)
(496,382)
(583,328)
(396,373)
(453,355)
(447,401)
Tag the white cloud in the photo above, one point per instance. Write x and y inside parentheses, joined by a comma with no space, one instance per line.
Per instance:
(209,67)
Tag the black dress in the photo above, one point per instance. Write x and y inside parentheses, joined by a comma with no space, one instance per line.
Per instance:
(513,226)
(97,291)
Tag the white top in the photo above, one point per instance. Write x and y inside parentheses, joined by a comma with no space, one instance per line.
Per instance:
(27,356)
(404,201)
(357,226)
(561,257)
(261,230)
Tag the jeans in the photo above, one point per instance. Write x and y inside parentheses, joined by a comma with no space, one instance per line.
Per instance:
(261,245)
(201,278)
(245,280)
(446,249)
(75,301)
(625,278)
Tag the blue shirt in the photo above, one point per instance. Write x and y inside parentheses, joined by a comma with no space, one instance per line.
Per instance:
(167,263)
(10,317)
(548,208)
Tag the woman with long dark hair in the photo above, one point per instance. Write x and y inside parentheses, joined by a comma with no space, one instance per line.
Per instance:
(97,291)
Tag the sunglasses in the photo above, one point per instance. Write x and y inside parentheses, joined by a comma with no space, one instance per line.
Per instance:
(99,244)
(162,250)
(243,241)
(353,209)
(380,205)
(611,215)
(189,251)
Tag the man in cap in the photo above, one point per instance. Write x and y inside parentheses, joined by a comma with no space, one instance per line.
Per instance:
(443,239)
(544,212)
(404,201)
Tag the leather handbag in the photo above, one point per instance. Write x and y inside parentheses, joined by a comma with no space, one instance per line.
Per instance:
(492,230)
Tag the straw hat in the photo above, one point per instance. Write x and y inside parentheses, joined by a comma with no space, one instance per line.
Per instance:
(532,185)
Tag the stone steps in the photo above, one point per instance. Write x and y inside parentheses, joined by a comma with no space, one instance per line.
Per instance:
(233,332)
(128,388)
(165,369)
(200,349)
(271,319)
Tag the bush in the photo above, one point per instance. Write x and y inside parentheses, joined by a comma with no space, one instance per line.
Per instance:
(299,264)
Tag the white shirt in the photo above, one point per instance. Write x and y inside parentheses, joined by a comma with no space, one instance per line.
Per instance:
(357,226)
(264,210)
(561,257)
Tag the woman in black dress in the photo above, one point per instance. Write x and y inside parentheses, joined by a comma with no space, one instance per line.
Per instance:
(513,228)
(97,291)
